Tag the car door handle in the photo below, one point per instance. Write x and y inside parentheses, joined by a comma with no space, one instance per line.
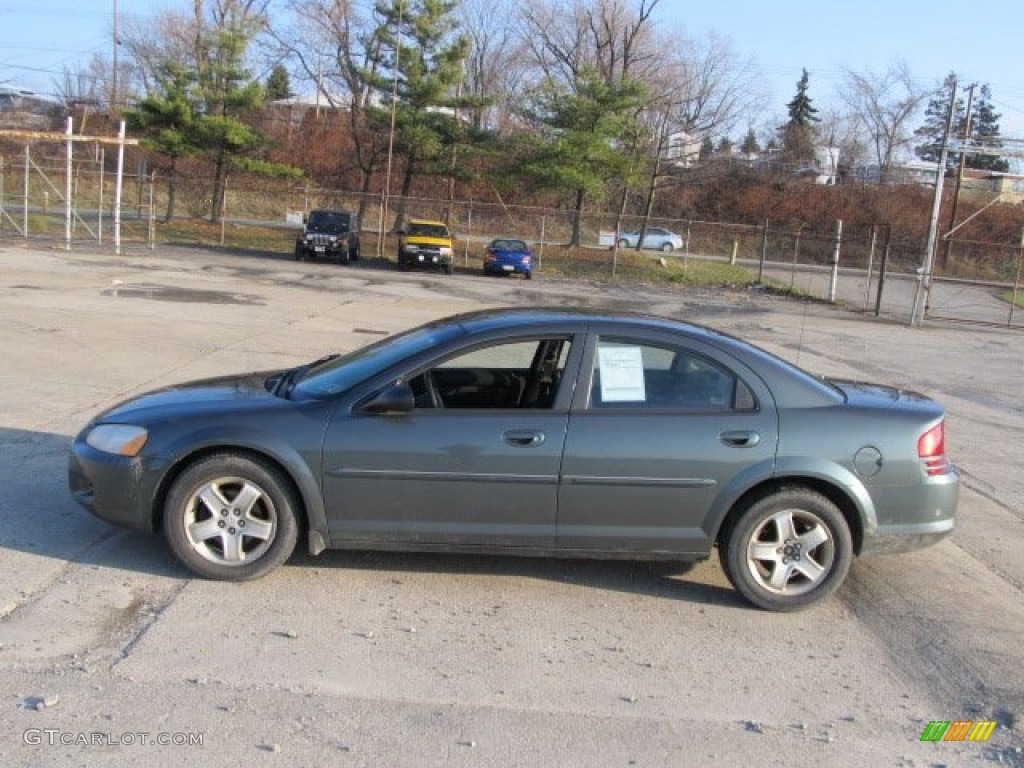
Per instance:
(524,438)
(740,438)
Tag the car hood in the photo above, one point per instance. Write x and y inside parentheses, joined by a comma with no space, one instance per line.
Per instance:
(192,397)
(866,394)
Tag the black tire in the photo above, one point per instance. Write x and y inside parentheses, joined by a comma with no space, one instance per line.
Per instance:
(354,252)
(623,243)
(446,268)
(217,540)
(787,550)
(666,248)
(299,253)
(529,275)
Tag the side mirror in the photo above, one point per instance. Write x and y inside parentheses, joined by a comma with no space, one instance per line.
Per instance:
(394,398)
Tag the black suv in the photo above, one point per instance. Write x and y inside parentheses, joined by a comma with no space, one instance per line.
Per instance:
(331,234)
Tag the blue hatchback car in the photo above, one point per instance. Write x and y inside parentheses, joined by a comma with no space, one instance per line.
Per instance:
(505,256)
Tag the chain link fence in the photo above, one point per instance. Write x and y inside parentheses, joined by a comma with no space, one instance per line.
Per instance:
(869,271)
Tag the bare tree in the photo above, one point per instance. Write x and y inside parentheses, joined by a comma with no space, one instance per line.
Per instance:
(883,104)
(702,89)
(606,36)
(495,69)
(331,43)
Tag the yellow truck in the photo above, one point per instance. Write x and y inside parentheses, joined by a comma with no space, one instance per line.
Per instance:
(425,243)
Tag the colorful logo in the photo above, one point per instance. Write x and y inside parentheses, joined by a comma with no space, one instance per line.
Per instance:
(958,730)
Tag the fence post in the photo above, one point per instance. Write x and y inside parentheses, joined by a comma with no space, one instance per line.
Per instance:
(796,258)
(1016,283)
(543,237)
(871,259)
(24,207)
(152,212)
(882,269)
(837,244)
(67,189)
(99,215)
(764,253)
(223,208)
(118,185)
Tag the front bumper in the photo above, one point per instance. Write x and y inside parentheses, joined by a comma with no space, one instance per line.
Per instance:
(114,488)
(424,259)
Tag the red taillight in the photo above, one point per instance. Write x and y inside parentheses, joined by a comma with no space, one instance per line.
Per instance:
(931,448)
(489,256)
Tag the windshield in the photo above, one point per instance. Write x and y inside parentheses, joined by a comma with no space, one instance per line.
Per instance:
(328,221)
(342,373)
(428,230)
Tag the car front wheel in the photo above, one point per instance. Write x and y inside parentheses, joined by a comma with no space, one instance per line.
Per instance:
(787,550)
(231,518)
(666,247)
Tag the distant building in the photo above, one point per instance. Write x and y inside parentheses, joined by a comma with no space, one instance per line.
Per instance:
(985,186)
(683,149)
(24,109)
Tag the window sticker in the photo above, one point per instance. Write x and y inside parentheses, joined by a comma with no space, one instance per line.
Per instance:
(622,374)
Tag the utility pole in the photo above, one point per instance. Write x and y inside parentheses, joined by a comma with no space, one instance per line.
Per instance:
(959,174)
(924,278)
(117,42)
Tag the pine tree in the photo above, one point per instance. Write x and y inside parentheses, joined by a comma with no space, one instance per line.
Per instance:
(985,131)
(798,132)
(419,62)
(750,146)
(801,111)
(934,129)
(167,121)
(279,86)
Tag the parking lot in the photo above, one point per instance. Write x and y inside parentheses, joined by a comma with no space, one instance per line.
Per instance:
(373,659)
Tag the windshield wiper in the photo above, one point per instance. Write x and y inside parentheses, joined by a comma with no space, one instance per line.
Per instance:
(292,376)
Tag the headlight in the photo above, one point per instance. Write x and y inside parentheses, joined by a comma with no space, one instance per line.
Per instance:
(445,251)
(122,439)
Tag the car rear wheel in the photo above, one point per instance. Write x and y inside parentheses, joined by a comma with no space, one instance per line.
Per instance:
(787,550)
(299,253)
(231,518)
(666,247)
(623,243)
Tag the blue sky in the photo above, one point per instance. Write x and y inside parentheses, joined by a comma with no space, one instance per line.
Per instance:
(984,44)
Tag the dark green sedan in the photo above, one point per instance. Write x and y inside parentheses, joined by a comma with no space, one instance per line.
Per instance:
(532,432)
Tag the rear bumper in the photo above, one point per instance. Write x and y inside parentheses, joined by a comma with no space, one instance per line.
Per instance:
(929,521)
(497,268)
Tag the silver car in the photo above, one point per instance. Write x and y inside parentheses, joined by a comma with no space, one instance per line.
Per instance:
(532,432)
(655,239)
